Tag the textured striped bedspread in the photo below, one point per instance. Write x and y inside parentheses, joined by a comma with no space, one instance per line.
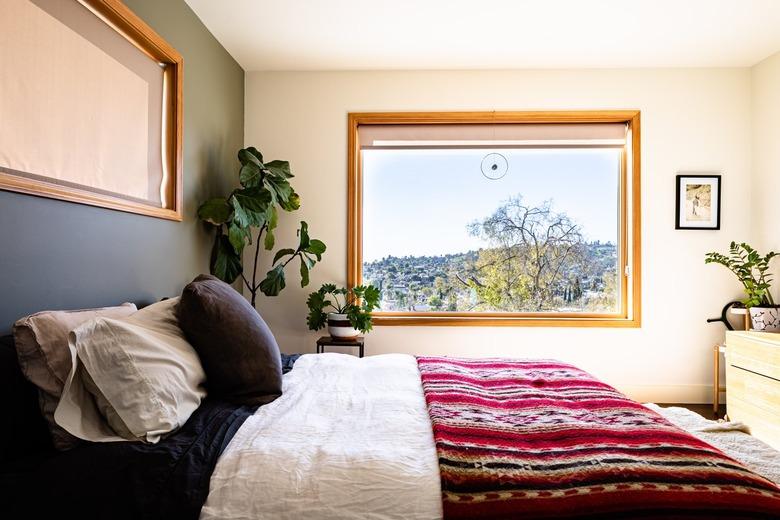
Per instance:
(543,439)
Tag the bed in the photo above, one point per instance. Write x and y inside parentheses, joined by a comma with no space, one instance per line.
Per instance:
(396,436)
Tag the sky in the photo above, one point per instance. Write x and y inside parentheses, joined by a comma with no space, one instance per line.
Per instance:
(419,202)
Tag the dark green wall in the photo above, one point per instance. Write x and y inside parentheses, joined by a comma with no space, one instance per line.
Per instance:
(59,255)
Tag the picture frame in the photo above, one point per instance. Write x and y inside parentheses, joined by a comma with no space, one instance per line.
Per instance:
(698,201)
(103,126)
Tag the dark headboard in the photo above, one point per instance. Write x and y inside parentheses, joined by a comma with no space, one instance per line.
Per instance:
(25,432)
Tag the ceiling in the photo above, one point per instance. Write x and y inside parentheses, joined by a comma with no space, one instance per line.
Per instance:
(492,34)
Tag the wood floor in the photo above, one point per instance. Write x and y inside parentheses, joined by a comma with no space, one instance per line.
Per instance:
(705,410)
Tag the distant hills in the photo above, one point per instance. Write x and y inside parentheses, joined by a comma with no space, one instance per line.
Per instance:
(452,283)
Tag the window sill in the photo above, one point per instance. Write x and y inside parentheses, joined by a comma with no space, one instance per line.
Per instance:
(445,320)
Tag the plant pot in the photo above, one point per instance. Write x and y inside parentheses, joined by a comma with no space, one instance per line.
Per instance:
(740,310)
(340,328)
(765,319)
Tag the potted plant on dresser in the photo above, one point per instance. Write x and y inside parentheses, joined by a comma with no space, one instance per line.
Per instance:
(751,268)
(350,315)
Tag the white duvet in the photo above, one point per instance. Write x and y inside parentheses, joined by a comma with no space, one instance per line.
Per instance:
(349,438)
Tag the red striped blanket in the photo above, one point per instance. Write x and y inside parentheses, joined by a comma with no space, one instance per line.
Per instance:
(543,439)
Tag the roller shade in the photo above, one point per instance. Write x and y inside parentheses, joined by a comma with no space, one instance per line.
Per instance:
(491,135)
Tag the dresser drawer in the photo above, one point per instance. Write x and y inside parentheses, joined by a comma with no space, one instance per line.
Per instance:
(762,425)
(756,352)
(760,391)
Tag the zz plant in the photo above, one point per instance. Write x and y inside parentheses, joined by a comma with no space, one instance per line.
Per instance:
(357,304)
(265,188)
(751,269)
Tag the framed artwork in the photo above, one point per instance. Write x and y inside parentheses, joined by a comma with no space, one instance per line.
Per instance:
(698,201)
(91,104)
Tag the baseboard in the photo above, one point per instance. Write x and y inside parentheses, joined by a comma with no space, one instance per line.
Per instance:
(668,393)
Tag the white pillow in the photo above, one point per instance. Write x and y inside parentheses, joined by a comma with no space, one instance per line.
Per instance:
(146,379)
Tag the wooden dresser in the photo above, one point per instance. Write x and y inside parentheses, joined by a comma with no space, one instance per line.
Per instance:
(753,383)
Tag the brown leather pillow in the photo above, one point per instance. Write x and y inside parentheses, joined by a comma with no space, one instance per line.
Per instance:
(237,349)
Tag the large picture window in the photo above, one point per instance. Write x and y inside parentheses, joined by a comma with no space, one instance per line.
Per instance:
(497,218)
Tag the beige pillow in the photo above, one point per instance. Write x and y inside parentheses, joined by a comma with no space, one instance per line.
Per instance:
(135,378)
(42,348)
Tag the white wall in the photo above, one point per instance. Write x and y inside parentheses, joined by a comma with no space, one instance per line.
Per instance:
(692,120)
(766,155)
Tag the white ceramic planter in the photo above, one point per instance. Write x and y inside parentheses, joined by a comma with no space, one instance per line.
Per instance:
(340,328)
(766,319)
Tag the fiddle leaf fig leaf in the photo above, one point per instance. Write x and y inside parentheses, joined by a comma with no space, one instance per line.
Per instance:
(309,260)
(274,281)
(225,262)
(304,273)
(303,233)
(279,169)
(250,206)
(245,156)
(271,221)
(292,203)
(254,151)
(215,211)
(250,175)
(279,187)
(282,253)
(316,247)
(241,216)
(238,237)
(269,240)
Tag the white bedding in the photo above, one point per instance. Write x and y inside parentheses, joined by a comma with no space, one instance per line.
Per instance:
(349,439)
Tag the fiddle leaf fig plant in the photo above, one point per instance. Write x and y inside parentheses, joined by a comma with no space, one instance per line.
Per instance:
(264,189)
(356,303)
(751,268)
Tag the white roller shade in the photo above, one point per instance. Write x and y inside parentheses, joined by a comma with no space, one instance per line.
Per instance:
(81,105)
(491,135)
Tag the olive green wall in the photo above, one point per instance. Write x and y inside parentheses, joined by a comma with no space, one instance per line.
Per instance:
(59,255)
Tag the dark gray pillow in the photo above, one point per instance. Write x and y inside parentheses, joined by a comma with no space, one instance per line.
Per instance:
(237,349)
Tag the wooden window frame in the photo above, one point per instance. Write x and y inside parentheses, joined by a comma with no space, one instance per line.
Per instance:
(629,254)
(118,16)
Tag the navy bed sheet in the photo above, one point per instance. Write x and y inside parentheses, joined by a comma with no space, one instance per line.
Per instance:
(124,480)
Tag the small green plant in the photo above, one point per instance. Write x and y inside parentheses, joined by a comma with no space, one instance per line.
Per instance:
(265,189)
(751,270)
(357,303)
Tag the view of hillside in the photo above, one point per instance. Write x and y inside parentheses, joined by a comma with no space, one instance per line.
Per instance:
(447,283)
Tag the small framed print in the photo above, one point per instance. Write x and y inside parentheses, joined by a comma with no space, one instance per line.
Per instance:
(698,201)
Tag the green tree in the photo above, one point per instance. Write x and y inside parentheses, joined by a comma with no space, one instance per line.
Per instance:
(402,300)
(607,298)
(534,250)
(452,303)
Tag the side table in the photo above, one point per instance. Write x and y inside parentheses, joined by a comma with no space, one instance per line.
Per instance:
(327,341)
